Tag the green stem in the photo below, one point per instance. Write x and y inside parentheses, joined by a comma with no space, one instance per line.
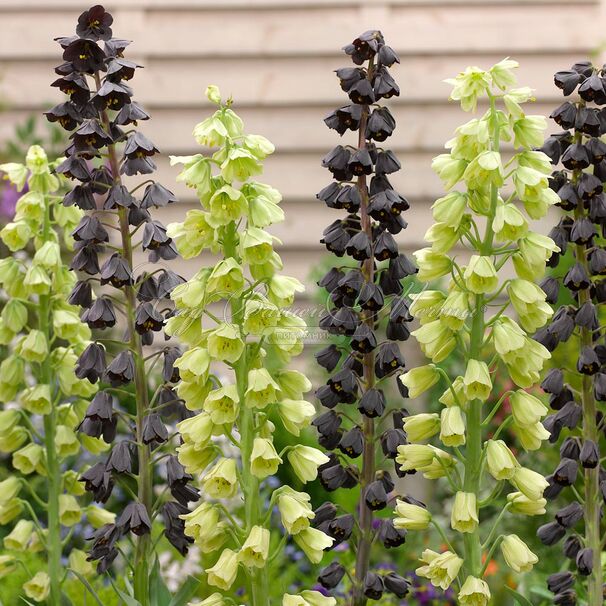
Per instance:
(53,541)
(472,482)
(258,578)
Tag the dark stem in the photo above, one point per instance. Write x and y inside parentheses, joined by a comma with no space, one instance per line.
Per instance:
(593,538)
(145,496)
(368,427)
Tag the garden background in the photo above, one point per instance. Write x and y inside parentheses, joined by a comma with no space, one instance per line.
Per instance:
(276,58)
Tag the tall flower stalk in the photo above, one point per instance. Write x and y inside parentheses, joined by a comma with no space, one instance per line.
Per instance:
(577,388)
(234,317)
(106,147)
(473,316)
(44,336)
(363,293)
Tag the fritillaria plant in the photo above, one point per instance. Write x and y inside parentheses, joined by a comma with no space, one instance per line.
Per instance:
(44,400)
(368,315)
(234,316)
(577,388)
(486,211)
(129,294)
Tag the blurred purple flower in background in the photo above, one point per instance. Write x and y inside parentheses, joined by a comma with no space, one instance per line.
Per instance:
(8,200)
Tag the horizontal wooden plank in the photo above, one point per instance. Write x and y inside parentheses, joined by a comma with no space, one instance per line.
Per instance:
(176,83)
(412,29)
(305,221)
(23,5)
(293,129)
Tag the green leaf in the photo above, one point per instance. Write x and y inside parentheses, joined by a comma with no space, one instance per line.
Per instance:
(27,601)
(187,591)
(127,599)
(159,593)
(88,586)
(541,591)
(519,598)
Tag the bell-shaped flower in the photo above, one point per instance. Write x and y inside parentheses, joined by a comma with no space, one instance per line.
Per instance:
(223,573)
(38,587)
(452,426)
(500,461)
(422,426)
(531,436)
(530,483)
(70,511)
(519,503)
(16,235)
(227,204)
(193,364)
(480,275)
(295,414)
(308,598)
(464,515)
(197,430)
(225,280)
(477,380)
(30,458)
(418,380)
(436,340)
(486,168)
(225,343)
(19,537)
(432,265)
(282,290)
(295,510)
(313,542)
(221,481)
(440,568)
(255,550)
(526,408)
(474,592)
(450,208)
(517,555)
(264,460)
(410,516)
(509,224)
(239,165)
(305,461)
(34,348)
(262,389)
